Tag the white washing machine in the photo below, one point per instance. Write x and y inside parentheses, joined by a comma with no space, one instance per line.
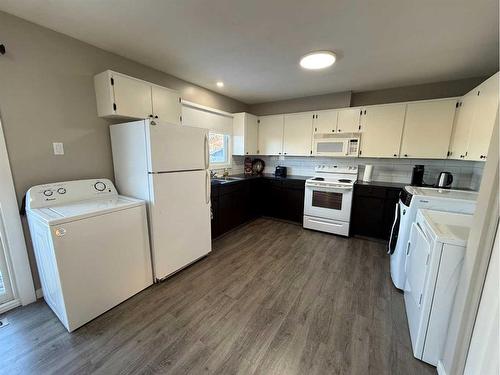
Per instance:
(433,266)
(411,199)
(91,247)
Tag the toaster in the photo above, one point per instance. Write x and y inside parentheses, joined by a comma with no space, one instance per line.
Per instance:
(280,171)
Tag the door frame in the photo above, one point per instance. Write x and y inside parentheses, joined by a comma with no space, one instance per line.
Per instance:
(16,253)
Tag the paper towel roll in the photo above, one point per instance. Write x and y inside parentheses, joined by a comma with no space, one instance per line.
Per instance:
(367,176)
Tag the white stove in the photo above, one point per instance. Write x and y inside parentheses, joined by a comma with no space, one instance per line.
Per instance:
(328,199)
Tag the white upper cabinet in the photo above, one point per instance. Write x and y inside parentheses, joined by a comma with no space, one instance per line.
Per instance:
(381,130)
(167,105)
(486,108)
(297,139)
(245,134)
(461,127)
(121,96)
(427,130)
(348,120)
(325,121)
(271,135)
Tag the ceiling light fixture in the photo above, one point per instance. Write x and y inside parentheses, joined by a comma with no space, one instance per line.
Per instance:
(220,84)
(317,60)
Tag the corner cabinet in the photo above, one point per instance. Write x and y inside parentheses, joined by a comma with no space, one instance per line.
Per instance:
(381,130)
(121,96)
(474,122)
(245,134)
(271,135)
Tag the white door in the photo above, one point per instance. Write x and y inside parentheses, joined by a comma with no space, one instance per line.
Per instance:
(325,122)
(132,97)
(176,148)
(6,292)
(166,105)
(271,135)
(484,119)
(251,134)
(180,220)
(381,130)
(348,120)
(297,136)
(462,126)
(427,129)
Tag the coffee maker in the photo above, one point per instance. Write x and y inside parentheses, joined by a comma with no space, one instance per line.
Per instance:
(417,175)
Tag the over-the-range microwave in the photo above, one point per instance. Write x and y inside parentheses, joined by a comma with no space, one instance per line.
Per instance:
(335,145)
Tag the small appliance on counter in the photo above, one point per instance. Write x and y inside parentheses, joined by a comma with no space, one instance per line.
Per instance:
(258,166)
(444,180)
(280,171)
(367,175)
(417,176)
(247,166)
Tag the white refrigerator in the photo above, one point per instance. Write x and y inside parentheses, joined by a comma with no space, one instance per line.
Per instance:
(167,165)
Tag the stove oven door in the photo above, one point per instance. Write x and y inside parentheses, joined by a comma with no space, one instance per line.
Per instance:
(329,202)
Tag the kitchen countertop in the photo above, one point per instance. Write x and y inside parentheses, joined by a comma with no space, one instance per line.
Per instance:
(394,185)
(243,177)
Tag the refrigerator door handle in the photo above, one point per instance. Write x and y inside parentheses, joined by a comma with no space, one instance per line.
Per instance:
(207,187)
(207,150)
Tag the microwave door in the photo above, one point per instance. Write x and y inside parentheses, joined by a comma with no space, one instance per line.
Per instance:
(331,148)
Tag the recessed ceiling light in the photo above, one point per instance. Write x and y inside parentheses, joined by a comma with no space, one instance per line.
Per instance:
(220,84)
(317,60)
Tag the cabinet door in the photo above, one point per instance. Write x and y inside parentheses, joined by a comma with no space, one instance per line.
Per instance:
(348,121)
(325,122)
(297,134)
(132,97)
(382,127)
(484,119)
(461,128)
(166,105)
(270,135)
(251,134)
(427,129)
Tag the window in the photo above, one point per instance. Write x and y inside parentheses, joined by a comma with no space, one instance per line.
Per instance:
(219,149)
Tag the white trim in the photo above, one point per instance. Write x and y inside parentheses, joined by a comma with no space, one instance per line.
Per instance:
(39,293)
(205,108)
(15,244)
(440,368)
(9,305)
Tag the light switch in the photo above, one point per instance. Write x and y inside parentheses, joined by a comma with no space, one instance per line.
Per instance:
(58,148)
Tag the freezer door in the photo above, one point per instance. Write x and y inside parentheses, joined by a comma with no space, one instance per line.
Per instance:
(175,147)
(180,220)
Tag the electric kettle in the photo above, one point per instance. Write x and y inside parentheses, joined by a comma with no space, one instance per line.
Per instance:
(444,180)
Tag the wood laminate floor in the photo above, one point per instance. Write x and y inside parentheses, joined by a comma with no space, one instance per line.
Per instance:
(272,298)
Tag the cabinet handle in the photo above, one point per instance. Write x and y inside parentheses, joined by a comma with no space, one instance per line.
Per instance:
(339,130)
(333,130)
(156,116)
(150,116)
(315,129)
(406,155)
(395,155)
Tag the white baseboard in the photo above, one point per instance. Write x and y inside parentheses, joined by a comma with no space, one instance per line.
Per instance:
(440,368)
(39,293)
(9,305)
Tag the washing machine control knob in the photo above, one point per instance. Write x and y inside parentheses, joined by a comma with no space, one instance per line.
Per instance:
(61,191)
(47,193)
(100,186)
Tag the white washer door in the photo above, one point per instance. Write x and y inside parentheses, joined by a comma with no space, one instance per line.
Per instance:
(102,261)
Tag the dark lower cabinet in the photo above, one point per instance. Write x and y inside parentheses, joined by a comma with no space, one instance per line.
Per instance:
(238,202)
(373,210)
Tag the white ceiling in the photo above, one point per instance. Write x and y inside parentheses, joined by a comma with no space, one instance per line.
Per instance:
(254,45)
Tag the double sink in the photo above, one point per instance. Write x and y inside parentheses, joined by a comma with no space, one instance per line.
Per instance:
(223,180)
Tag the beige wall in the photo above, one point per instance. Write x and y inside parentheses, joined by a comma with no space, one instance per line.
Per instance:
(309,103)
(47,95)
(417,92)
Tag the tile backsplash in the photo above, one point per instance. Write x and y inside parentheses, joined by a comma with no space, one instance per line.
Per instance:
(466,174)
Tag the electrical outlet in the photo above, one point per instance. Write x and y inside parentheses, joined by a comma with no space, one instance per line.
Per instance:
(58,148)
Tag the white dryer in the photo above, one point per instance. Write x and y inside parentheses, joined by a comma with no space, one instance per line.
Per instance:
(433,266)
(411,199)
(91,247)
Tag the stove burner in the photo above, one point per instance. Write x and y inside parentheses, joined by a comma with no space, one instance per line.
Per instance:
(318,179)
(344,180)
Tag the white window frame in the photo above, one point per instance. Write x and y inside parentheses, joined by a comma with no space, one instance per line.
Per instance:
(228,163)
(16,253)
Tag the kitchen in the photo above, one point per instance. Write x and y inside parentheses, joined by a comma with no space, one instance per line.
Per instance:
(277,260)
